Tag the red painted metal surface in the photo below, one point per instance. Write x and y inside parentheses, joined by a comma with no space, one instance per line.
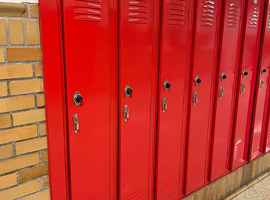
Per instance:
(174,67)
(229,55)
(89,70)
(245,98)
(137,68)
(53,71)
(204,63)
(260,111)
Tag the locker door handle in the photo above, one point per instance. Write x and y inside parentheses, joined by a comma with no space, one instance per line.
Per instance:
(242,88)
(164,105)
(195,98)
(76,123)
(261,84)
(126,113)
(221,91)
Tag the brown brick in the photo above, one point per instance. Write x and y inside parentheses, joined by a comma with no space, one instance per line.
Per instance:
(2,55)
(16,33)
(23,54)
(13,10)
(19,163)
(3,36)
(44,195)
(21,190)
(32,32)
(28,117)
(5,122)
(46,182)
(6,151)
(16,71)
(17,103)
(42,129)
(32,173)
(44,156)
(40,100)
(26,86)
(31,145)
(34,10)
(38,69)
(3,89)
(8,181)
(17,134)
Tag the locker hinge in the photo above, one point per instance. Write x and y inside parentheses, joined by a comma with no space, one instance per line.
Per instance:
(76,123)
(195,98)
(164,105)
(126,113)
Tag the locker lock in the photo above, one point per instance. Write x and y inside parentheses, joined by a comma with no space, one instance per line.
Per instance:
(167,85)
(197,80)
(128,91)
(245,73)
(263,70)
(77,98)
(223,76)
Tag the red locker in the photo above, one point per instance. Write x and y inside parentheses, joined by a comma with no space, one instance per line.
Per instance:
(260,111)
(175,50)
(247,80)
(136,67)
(203,77)
(229,55)
(87,64)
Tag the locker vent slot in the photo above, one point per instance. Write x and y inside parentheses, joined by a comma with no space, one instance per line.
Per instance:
(256,143)
(137,194)
(239,150)
(208,9)
(233,15)
(220,160)
(177,12)
(138,12)
(168,185)
(197,172)
(253,17)
(88,10)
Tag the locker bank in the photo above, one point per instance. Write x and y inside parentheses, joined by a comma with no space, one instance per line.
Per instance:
(153,99)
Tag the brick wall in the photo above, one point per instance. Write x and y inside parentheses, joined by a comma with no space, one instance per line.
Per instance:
(23,141)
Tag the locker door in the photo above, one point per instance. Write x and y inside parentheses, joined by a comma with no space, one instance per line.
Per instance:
(86,42)
(247,80)
(203,77)
(173,85)
(135,82)
(262,96)
(230,46)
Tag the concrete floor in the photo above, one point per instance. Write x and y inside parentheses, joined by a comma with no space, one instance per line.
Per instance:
(260,191)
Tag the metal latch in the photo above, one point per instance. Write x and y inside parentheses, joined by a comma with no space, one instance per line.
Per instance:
(261,84)
(126,113)
(195,98)
(221,91)
(242,88)
(76,123)
(164,105)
